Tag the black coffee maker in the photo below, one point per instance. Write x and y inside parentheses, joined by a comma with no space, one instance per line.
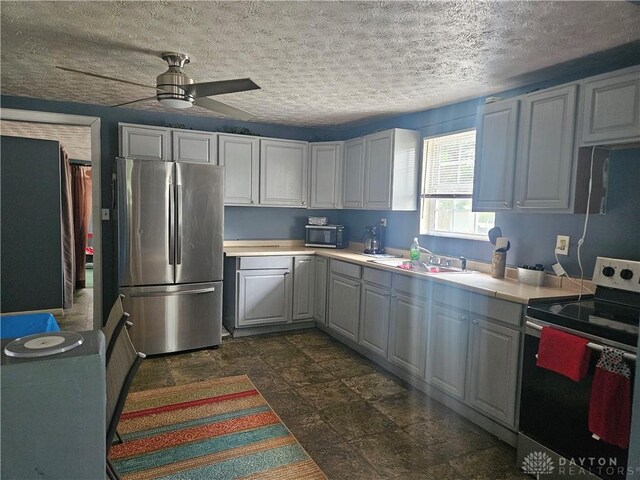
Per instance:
(374,239)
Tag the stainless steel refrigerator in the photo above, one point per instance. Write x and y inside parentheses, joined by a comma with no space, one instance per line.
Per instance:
(170,260)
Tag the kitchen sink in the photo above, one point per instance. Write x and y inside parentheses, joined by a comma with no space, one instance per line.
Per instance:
(422,268)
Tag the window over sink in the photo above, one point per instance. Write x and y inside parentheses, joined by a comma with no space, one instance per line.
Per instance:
(447,186)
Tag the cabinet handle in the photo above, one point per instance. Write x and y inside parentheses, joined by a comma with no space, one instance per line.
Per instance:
(517,204)
(507,205)
(252,201)
(475,321)
(286,273)
(304,203)
(393,295)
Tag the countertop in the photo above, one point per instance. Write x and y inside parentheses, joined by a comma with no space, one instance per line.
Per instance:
(479,282)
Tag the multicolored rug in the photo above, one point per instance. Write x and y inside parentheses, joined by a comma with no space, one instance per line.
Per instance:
(218,429)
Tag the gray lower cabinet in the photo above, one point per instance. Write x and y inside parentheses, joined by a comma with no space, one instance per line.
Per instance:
(374,319)
(344,306)
(493,369)
(264,296)
(320,302)
(407,333)
(303,287)
(447,346)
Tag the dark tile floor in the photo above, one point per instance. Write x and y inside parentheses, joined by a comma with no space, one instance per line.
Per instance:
(354,419)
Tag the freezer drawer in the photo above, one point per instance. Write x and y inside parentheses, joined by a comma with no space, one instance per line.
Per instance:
(174,318)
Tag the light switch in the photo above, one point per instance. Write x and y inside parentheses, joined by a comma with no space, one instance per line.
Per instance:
(105,214)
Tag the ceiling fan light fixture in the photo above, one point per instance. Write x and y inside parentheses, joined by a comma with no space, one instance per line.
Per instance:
(175,102)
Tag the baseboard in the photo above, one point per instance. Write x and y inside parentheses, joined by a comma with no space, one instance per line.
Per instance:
(285,327)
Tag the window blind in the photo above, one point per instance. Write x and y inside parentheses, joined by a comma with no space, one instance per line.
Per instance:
(448,162)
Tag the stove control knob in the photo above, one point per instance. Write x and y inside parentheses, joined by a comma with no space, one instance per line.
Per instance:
(626,274)
(608,271)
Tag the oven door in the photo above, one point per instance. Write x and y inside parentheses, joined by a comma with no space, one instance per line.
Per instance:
(554,413)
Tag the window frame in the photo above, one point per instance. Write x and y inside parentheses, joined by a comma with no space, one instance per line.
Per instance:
(427,202)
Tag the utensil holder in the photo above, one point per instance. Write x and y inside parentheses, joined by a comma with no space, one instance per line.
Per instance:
(498,264)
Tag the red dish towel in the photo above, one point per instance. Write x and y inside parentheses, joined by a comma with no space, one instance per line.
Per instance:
(610,404)
(563,353)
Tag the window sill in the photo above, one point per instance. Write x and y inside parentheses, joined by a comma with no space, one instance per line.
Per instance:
(463,236)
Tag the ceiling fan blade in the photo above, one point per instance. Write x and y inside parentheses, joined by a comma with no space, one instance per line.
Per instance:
(223,108)
(208,89)
(134,101)
(104,77)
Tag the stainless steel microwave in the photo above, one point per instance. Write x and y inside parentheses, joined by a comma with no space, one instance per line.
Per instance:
(328,236)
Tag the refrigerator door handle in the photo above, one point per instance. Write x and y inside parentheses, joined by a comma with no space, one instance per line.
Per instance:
(172,233)
(178,292)
(179,224)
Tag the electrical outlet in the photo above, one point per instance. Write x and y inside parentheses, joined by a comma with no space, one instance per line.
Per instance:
(562,245)
(383,221)
(105,213)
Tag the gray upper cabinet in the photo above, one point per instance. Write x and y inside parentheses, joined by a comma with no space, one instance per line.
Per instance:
(447,350)
(240,156)
(546,149)
(325,174)
(353,174)
(140,141)
(408,333)
(378,170)
(303,287)
(611,109)
(195,147)
(495,156)
(283,173)
(493,369)
(320,302)
(374,319)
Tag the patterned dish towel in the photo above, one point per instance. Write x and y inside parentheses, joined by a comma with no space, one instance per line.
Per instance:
(610,405)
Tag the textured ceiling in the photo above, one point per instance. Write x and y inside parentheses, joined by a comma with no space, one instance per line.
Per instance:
(318,63)
(76,140)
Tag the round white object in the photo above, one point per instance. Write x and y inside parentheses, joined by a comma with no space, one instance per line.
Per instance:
(44,342)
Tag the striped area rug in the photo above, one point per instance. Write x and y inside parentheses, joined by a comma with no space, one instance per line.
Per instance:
(218,429)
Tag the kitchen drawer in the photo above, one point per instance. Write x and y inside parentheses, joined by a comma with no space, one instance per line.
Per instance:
(378,277)
(253,263)
(411,286)
(495,308)
(346,269)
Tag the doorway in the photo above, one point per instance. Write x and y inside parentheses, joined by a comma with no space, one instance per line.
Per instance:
(60,121)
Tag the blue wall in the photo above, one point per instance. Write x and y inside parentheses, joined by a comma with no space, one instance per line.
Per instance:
(615,234)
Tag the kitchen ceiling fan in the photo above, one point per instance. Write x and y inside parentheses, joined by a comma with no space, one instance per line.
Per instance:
(175,89)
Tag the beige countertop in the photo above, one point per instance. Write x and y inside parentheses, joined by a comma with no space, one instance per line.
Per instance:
(506,289)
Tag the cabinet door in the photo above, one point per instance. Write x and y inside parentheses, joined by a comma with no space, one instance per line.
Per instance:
(303,287)
(344,306)
(264,297)
(447,350)
(239,155)
(495,157)
(374,319)
(145,142)
(377,170)
(320,303)
(493,369)
(353,174)
(612,109)
(283,173)
(545,149)
(325,175)
(407,333)
(195,147)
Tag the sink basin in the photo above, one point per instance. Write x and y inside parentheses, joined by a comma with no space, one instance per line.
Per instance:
(426,269)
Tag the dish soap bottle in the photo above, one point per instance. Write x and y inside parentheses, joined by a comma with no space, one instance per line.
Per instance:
(414,251)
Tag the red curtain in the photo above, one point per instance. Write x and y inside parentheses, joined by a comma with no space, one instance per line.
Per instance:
(81,179)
